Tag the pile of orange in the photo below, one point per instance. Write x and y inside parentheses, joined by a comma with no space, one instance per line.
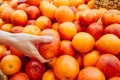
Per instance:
(75,52)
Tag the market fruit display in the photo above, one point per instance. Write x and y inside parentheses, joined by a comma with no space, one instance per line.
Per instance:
(85,44)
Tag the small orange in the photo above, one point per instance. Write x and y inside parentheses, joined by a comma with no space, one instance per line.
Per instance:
(16,52)
(10,64)
(3,49)
(82,7)
(55,26)
(22,6)
(6,14)
(31,29)
(43,22)
(19,76)
(19,17)
(43,4)
(67,30)
(66,67)
(91,73)
(49,11)
(59,3)
(114,78)
(90,59)
(108,43)
(49,75)
(66,48)
(91,4)
(34,2)
(4,5)
(64,14)
(17,29)
(7,27)
(83,42)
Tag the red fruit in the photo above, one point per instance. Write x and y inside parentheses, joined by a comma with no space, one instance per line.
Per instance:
(87,17)
(33,12)
(35,69)
(96,30)
(113,29)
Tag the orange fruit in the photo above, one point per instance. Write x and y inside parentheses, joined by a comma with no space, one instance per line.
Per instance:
(91,4)
(70,71)
(22,6)
(109,64)
(59,3)
(17,29)
(114,78)
(16,52)
(31,29)
(4,5)
(19,17)
(7,27)
(55,26)
(82,7)
(3,49)
(49,75)
(66,48)
(19,76)
(108,43)
(43,22)
(82,38)
(33,12)
(6,14)
(43,4)
(67,30)
(90,59)
(64,14)
(49,11)
(10,64)
(90,73)
(34,2)
(50,49)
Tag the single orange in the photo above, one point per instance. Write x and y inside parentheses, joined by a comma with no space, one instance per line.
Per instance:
(31,29)
(66,48)
(66,67)
(19,18)
(67,30)
(43,22)
(17,29)
(83,42)
(108,43)
(49,11)
(10,64)
(7,27)
(6,14)
(90,59)
(19,76)
(64,14)
(49,75)
(91,73)
(55,26)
